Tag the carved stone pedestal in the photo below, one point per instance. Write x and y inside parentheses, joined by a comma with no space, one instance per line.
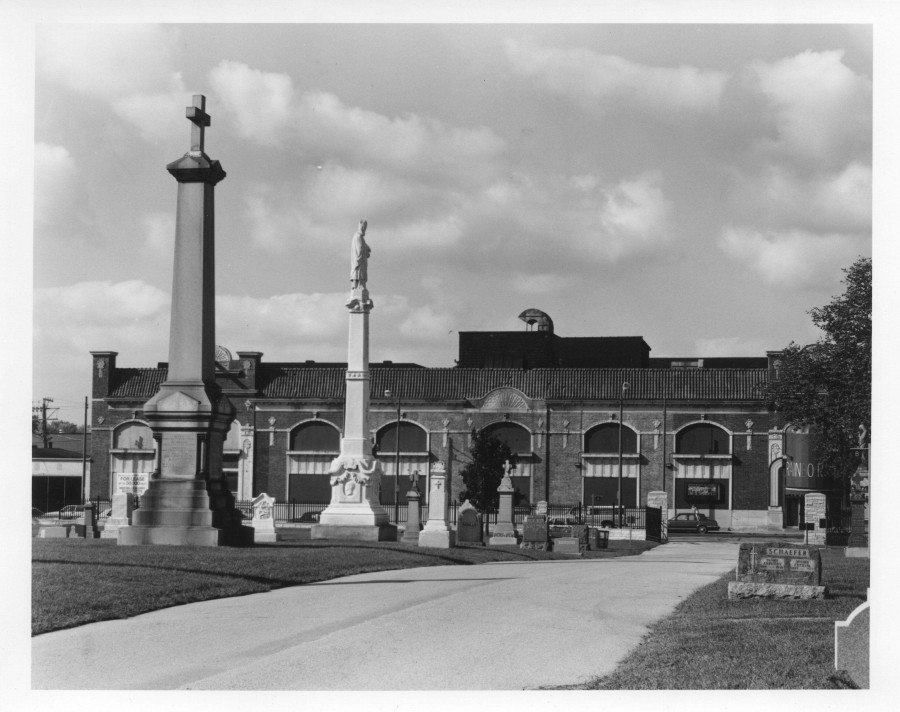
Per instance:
(354,512)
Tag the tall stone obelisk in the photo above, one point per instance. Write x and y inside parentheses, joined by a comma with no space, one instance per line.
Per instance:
(354,511)
(188,501)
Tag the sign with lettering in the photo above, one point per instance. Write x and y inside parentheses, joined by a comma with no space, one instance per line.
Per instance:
(702,491)
(132,482)
(774,562)
(803,467)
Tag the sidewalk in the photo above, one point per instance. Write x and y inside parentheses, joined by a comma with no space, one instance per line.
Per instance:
(499,626)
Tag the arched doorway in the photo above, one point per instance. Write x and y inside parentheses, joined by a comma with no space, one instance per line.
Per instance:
(518,439)
(600,466)
(313,446)
(413,455)
(703,470)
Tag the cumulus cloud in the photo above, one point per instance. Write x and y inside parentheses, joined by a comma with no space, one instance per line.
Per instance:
(820,108)
(55,184)
(792,258)
(827,201)
(265,108)
(584,75)
(129,67)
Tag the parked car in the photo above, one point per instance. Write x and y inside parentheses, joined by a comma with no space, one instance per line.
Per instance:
(602,516)
(690,522)
(70,511)
(307,517)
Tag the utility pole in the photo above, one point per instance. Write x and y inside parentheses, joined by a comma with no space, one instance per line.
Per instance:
(43,411)
(84,452)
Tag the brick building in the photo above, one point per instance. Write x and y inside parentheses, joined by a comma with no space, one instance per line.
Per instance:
(554,400)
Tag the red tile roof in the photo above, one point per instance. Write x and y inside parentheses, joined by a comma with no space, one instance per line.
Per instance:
(284,381)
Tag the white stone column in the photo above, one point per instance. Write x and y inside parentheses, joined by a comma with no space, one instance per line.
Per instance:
(355,511)
(437,533)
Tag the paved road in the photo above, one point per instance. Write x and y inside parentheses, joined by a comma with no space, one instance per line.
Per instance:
(502,626)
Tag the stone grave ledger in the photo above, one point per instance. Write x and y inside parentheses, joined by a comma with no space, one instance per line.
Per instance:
(778,570)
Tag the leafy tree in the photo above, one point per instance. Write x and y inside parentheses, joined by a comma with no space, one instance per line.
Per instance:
(828,385)
(482,476)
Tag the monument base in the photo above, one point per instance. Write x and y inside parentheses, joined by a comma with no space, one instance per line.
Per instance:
(410,537)
(361,532)
(503,540)
(856,552)
(776,591)
(177,512)
(436,539)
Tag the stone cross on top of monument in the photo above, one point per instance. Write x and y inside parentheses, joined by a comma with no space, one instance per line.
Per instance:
(197,115)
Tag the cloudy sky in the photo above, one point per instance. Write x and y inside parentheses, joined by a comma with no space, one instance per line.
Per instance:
(700,185)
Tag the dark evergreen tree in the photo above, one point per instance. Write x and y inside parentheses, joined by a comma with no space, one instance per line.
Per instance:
(482,476)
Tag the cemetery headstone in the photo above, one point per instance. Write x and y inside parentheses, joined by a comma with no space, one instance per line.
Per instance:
(263,521)
(568,545)
(86,525)
(503,533)
(468,525)
(413,513)
(851,645)
(814,513)
(778,570)
(536,533)
(540,508)
(437,533)
(120,516)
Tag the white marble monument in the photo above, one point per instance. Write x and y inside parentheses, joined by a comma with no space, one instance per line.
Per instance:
(263,521)
(437,533)
(355,511)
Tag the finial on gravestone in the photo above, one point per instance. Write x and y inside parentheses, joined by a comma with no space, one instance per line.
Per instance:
(197,115)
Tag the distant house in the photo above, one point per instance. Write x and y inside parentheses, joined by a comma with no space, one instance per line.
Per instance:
(56,471)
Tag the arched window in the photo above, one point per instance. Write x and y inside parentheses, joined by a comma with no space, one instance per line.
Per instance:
(514,435)
(605,438)
(231,457)
(412,438)
(132,458)
(413,456)
(600,466)
(703,439)
(703,472)
(313,446)
(518,439)
(316,437)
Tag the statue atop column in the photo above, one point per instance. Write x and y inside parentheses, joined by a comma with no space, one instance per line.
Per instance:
(359,257)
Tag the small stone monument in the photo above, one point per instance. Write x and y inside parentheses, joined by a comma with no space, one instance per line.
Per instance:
(437,533)
(122,507)
(86,525)
(263,521)
(468,525)
(814,504)
(536,534)
(413,511)
(851,645)
(504,531)
(858,542)
(779,571)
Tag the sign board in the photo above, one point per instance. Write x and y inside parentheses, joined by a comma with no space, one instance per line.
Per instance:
(702,491)
(132,482)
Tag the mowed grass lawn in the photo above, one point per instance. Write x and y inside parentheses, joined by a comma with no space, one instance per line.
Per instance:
(77,581)
(711,643)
